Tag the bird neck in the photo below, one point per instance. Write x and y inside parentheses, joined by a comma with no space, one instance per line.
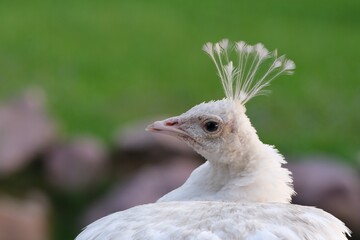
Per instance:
(253,173)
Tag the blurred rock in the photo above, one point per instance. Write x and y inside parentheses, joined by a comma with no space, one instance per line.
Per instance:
(136,147)
(25,130)
(76,165)
(325,182)
(146,186)
(24,219)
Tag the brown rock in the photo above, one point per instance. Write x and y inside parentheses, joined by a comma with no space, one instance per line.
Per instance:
(24,219)
(146,186)
(326,183)
(25,130)
(76,165)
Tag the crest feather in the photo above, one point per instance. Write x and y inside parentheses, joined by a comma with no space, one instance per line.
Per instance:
(255,67)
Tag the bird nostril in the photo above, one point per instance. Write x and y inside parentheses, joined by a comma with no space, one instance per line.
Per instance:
(171,122)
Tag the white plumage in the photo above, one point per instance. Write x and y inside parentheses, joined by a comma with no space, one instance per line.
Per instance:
(242,191)
(210,220)
(239,167)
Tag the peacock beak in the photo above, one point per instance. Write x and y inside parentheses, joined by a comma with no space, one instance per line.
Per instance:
(170,126)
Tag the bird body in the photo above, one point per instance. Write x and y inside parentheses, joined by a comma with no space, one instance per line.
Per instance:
(242,192)
(213,220)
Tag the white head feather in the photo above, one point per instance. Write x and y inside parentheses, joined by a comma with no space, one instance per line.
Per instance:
(255,67)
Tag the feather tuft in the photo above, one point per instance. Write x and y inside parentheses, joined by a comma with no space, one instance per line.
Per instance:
(256,68)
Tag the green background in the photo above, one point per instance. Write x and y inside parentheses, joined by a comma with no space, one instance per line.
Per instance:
(107,63)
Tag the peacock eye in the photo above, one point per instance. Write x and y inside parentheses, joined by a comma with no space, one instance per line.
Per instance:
(211,126)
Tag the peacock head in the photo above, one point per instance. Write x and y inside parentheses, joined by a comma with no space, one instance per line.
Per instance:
(219,128)
(210,128)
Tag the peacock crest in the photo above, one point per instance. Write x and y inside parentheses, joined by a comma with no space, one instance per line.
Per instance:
(252,69)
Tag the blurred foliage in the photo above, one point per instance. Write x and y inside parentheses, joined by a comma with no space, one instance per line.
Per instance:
(106,63)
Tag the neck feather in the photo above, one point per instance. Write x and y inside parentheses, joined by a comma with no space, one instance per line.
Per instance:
(250,173)
(254,175)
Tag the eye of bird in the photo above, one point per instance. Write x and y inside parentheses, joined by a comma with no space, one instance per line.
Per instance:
(211,126)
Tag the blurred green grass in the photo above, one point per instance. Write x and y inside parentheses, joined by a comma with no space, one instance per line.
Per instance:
(104,64)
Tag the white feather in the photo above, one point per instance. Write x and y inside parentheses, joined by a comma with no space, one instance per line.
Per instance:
(215,221)
(251,75)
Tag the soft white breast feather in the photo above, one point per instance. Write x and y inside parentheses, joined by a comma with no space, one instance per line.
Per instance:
(217,220)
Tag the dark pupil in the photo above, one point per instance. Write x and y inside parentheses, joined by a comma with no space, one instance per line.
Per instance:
(211,126)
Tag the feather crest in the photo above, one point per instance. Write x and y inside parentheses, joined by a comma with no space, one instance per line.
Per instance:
(255,67)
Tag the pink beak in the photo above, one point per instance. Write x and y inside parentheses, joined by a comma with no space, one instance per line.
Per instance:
(168,126)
